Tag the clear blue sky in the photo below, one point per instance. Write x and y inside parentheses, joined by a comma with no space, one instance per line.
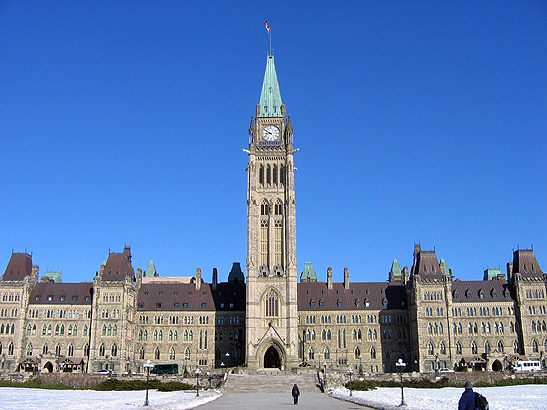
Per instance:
(124,122)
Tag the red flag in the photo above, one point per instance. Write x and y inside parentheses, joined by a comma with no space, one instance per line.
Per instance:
(266,25)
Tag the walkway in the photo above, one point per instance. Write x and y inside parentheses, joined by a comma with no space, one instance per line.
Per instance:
(272,401)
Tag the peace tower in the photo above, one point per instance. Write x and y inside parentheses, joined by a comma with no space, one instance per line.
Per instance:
(272,324)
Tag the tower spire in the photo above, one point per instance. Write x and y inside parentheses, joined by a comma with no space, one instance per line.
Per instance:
(270,97)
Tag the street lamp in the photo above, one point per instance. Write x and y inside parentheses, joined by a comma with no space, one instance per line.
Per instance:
(401,366)
(147,366)
(222,367)
(186,358)
(360,365)
(350,372)
(197,382)
(227,355)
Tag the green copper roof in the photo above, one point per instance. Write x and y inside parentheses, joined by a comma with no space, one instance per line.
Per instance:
(309,273)
(395,268)
(151,270)
(490,274)
(270,97)
(445,267)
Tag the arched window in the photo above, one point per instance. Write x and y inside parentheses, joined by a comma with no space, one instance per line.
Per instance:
(157,354)
(500,346)
(310,353)
(326,353)
(442,348)
(272,304)
(515,346)
(75,331)
(268,175)
(155,335)
(172,353)
(329,335)
(70,350)
(275,174)
(357,353)
(62,329)
(114,350)
(430,349)
(486,347)
(44,349)
(261,175)
(29,330)
(187,354)
(535,346)
(160,337)
(372,353)
(101,350)
(175,335)
(474,349)
(186,335)
(282,175)
(141,353)
(86,350)
(10,349)
(190,336)
(29,349)
(458,348)
(115,330)
(104,330)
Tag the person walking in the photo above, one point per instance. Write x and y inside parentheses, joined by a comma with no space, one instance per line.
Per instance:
(295,393)
(467,401)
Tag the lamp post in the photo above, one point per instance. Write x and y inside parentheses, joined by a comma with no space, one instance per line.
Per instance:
(197,382)
(227,355)
(147,366)
(401,366)
(416,365)
(350,372)
(360,365)
(436,365)
(186,358)
(222,367)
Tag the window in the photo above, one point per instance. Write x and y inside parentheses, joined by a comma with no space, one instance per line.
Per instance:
(474,349)
(272,304)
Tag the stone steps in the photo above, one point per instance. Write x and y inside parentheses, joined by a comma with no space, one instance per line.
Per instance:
(271,382)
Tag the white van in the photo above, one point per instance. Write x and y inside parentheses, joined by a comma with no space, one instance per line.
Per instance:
(528,366)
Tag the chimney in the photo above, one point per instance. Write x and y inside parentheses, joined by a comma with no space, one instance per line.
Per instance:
(198,279)
(346,278)
(139,276)
(329,278)
(127,252)
(509,270)
(215,278)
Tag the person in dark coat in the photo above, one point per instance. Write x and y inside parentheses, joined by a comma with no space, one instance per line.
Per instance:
(467,401)
(295,393)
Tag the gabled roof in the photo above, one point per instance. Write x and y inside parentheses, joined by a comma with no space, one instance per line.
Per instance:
(426,264)
(359,296)
(270,97)
(118,266)
(19,266)
(50,293)
(469,291)
(525,263)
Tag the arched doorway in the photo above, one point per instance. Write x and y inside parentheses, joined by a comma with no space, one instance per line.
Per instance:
(271,358)
(496,366)
(49,367)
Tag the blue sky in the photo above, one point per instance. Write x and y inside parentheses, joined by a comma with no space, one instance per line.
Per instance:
(124,122)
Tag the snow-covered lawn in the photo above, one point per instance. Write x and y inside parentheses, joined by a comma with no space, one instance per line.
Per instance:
(530,397)
(37,399)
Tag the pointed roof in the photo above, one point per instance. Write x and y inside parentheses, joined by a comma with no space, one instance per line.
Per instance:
(270,97)
(150,270)
(395,268)
(235,274)
(309,274)
(19,266)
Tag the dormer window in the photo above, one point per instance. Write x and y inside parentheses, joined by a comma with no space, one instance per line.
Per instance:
(62,298)
(50,298)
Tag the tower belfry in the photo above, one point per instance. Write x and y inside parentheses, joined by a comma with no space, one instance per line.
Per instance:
(272,328)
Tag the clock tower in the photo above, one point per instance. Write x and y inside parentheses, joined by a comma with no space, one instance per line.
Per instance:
(272,321)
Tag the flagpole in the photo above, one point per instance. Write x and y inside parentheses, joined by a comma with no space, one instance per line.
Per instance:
(270,33)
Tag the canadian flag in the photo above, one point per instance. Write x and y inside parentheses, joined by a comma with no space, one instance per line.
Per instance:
(266,25)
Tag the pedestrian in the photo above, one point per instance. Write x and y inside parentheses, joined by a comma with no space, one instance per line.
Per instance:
(295,393)
(467,401)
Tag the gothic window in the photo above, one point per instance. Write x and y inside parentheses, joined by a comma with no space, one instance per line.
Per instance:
(157,354)
(10,349)
(115,330)
(500,346)
(474,349)
(278,242)
(324,335)
(357,352)
(515,346)
(369,334)
(101,350)
(272,304)
(268,175)
(187,354)
(160,336)
(264,242)
(372,353)
(534,346)
(44,349)
(104,330)
(57,330)
(75,331)
(29,329)
(175,335)
(261,175)
(190,336)
(442,348)
(282,175)
(141,353)
(29,349)
(310,353)
(44,330)
(172,353)
(458,348)
(329,336)
(359,335)
(275,174)
(430,349)
(114,350)
(71,350)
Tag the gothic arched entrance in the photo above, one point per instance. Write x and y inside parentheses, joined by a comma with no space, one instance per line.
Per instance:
(49,367)
(496,366)
(272,359)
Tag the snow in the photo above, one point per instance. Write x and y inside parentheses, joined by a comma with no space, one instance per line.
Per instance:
(529,397)
(36,399)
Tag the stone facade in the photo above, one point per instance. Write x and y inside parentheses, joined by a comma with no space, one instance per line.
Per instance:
(122,319)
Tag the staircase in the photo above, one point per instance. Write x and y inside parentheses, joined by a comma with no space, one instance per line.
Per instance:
(271,382)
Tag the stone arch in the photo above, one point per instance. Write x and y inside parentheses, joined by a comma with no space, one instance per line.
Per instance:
(274,349)
(49,367)
(497,366)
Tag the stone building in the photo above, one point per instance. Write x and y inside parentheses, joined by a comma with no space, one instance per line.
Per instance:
(121,319)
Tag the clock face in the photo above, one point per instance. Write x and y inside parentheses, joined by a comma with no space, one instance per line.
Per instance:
(270,133)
